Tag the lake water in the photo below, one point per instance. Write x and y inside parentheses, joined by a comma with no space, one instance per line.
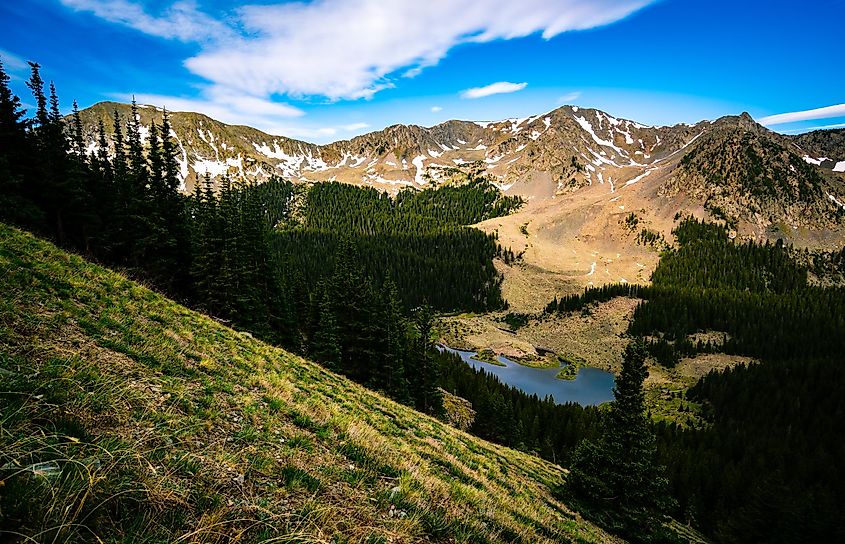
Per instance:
(589,388)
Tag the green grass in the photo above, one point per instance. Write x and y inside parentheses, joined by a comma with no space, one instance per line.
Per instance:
(488,356)
(570,367)
(125,417)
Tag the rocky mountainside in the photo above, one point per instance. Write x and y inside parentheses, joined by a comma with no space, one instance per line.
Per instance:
(740,170)
(825,148)
(734,167)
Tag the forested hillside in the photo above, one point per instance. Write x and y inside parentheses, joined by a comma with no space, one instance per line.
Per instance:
(346,275)
(761,467)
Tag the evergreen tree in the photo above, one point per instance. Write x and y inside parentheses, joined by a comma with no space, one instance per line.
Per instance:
(16,160)
(391,361)
(616,477)
(425,372)
(325,346)
(36,85)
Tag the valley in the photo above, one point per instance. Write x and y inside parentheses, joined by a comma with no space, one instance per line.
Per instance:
(284,370)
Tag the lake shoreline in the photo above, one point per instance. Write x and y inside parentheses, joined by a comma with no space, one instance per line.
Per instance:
(581,385)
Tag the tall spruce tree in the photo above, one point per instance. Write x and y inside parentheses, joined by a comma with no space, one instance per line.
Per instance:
(390,375)
(16,160)
(616,477)
(424,372)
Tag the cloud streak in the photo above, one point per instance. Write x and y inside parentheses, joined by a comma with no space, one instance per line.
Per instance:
(181,21)
(256,57)
(569,97)
(827,112)
(346,49)
(500,87)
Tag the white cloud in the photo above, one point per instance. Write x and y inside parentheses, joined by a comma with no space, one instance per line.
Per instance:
(827,112)
(181,21)
(12,62)
(346,49)
(355,126)
(569,97)
(435,109)
(808,129)
(500,87)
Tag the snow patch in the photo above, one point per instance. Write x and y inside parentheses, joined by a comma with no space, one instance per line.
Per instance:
(212,168)
(589,128)
(836,201)
(840,167)
(638,178)
(419,163)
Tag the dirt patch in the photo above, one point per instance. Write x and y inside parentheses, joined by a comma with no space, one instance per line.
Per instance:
(697,367)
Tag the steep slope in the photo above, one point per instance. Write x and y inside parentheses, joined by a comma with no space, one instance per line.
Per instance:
(128,417)
(742,171)
(825,148)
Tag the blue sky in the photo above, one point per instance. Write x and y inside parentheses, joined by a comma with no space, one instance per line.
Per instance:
(329,69)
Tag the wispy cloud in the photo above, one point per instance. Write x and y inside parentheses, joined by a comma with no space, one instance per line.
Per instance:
(435,109)
(500,87)
(181,21)
(808,129)
(355,126)
(827,112)
(569,97)
(12,63)
(345,49)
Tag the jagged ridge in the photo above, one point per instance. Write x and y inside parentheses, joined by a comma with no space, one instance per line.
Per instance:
(733,164)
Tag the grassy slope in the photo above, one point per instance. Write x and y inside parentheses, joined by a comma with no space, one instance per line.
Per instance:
(168,426)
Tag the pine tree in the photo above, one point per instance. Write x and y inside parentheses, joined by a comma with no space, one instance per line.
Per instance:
(325,347)
(171,207)
(52,187)
(391,361)
(617,477)
(36,85)
(77,138)
(425,373)
(16,160)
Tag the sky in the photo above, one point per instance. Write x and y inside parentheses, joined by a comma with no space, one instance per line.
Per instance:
(325,70)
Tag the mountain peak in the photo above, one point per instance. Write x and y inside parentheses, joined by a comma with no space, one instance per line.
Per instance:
(541,156)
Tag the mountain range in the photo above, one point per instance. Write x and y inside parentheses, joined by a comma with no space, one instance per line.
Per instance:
(731,163)
(596,187)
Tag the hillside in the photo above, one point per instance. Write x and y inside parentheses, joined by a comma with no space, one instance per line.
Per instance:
(127,414)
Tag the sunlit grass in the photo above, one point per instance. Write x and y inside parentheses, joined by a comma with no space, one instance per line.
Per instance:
(125,417)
